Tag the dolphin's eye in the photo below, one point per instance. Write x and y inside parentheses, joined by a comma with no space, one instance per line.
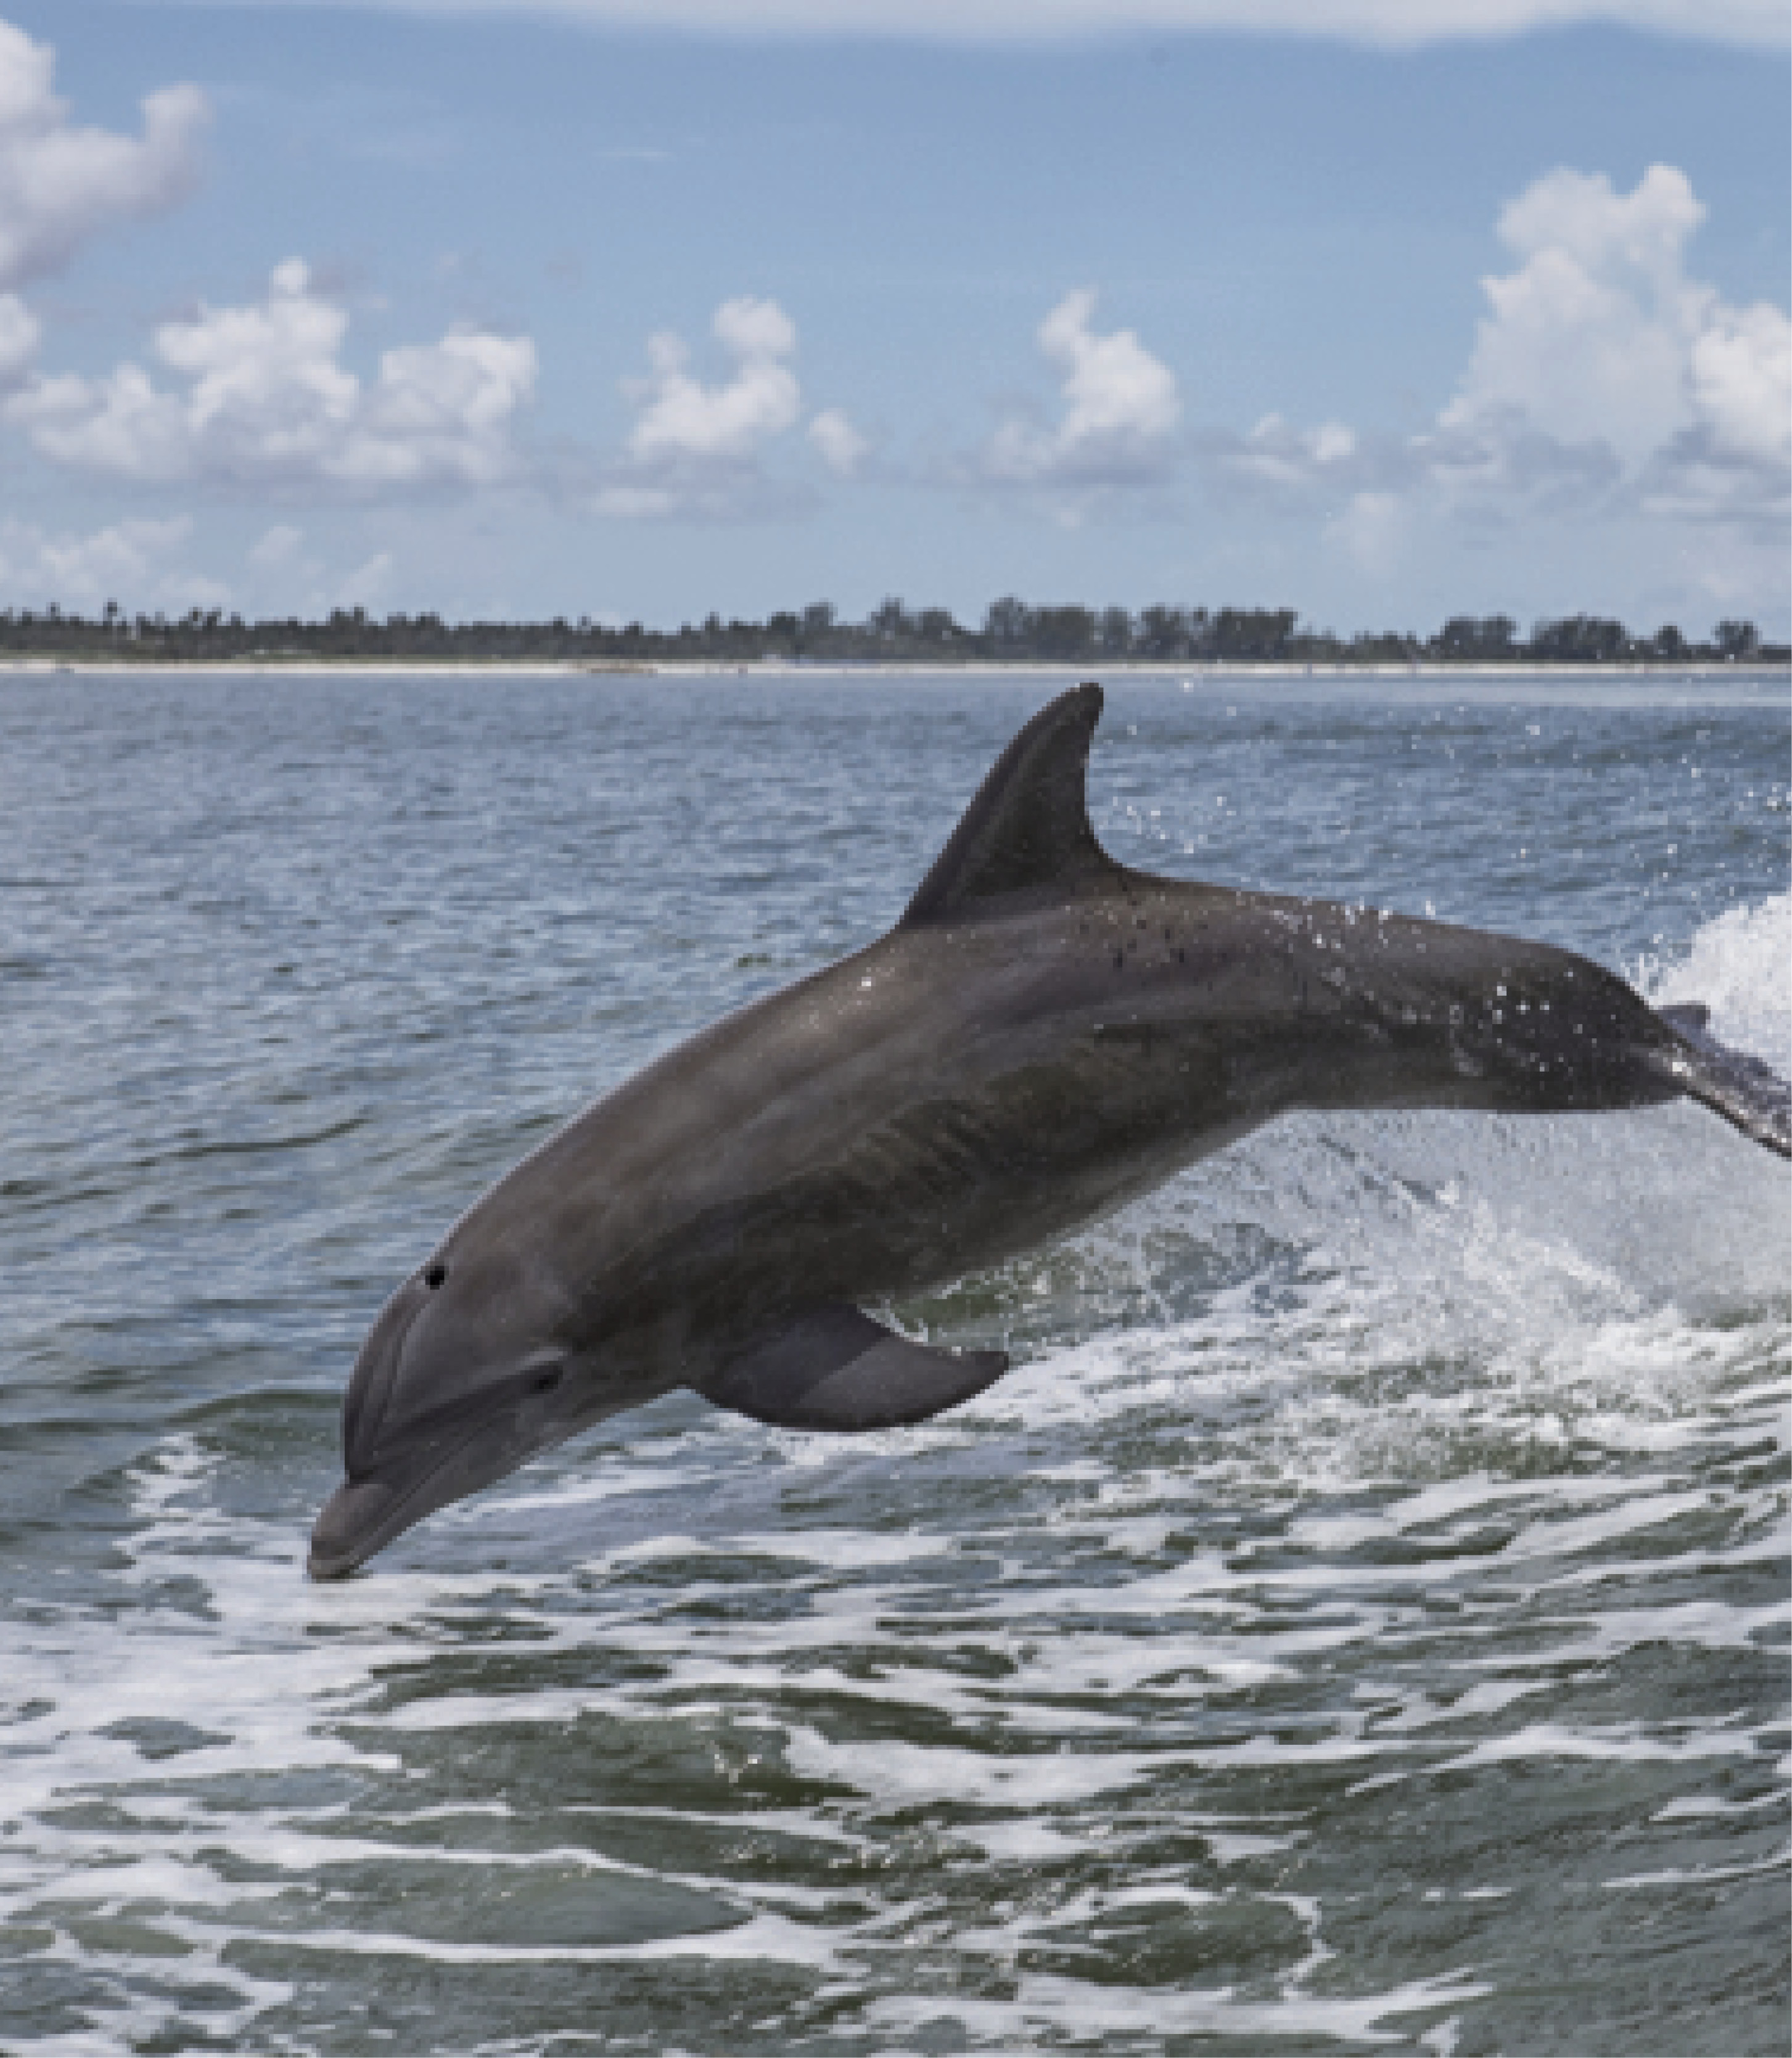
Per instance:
(435,1275)
(545,1380)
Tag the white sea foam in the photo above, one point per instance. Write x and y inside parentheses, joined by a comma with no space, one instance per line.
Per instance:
(1739,965)
(1060,2008)
(1409,1428)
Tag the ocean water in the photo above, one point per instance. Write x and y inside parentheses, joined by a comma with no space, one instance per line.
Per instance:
(1359,1623)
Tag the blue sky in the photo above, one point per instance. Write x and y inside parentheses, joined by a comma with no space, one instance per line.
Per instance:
(591,309)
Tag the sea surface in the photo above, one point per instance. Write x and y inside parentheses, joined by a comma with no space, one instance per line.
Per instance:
(1358,1624)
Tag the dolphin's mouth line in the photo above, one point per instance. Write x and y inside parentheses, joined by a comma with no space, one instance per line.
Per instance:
(392,1521)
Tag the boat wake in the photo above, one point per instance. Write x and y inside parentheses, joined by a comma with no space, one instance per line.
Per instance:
(1365,1598)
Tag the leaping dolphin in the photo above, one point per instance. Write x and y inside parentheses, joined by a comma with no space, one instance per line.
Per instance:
(1044,1034)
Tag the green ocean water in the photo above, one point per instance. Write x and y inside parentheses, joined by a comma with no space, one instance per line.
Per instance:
(1359,1624)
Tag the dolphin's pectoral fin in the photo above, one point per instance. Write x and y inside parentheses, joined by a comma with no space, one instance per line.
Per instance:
(836,1368)
(1028,832)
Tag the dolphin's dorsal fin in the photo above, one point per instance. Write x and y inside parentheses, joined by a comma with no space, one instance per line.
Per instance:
(1027,831)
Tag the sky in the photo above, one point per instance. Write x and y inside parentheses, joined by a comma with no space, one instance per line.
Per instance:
(1384,310)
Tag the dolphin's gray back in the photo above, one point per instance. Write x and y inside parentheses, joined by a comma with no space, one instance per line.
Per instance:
(1045,1034)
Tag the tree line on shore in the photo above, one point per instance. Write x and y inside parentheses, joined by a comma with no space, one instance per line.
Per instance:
(1012,631)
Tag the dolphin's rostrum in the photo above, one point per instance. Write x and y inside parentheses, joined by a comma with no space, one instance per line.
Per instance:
(1044,1034)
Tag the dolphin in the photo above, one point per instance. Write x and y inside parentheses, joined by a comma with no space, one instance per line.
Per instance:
(1044,1034)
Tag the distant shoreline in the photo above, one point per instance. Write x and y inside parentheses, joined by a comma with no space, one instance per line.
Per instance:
(499,667)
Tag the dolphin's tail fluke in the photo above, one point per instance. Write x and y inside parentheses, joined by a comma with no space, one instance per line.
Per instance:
(1746,1092)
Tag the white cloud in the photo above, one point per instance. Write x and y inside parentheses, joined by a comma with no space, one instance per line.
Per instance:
(1603,376)
(128,562)
(264,397)
(1590,337)
(683,420)
(1398,23)
(1372,532)
(368,584)
(144,565)
(1601,340)
(756,331)
(1279,454)
(278,546)
(19,333)
(697,448)
(283,575)
(1742,383)
(60,185)
(1120,409)
(842,448)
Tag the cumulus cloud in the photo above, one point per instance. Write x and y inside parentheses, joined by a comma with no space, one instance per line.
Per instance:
(1371,532)
(19,336)
(1604,374)
(284,574)
(683,420)
(260,394)
(1591,336)
(369,584)
(1279,455)
(1742,383)
(1398,23)
(843,449)
(60,185)
(1600,339)
(130,562)
(277,546)
(1120,409)
(698,448)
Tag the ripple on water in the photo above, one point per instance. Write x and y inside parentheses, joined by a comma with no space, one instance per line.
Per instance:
(1360,1624)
